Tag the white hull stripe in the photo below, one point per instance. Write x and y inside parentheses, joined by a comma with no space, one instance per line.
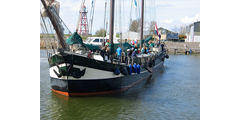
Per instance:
(90,74)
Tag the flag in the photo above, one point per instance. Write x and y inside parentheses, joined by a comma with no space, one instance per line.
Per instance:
(156,30)
(135,3)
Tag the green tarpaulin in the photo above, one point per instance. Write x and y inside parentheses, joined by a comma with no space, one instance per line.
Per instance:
(76,39)
(147,39)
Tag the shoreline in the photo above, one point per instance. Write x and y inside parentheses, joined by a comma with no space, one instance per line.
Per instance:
(172,47)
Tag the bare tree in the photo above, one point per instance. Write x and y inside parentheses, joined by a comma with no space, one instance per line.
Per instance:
(151,27)
(135,25)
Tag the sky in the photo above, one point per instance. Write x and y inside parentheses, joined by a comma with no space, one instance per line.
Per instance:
(170,14)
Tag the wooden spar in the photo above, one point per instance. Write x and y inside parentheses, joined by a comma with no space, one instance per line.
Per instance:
(142,21)
(56,27)
(111,30)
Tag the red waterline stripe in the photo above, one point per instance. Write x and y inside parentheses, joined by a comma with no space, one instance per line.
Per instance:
(60,92)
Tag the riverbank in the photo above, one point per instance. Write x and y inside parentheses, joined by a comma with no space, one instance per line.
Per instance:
(179,47)
(172,47)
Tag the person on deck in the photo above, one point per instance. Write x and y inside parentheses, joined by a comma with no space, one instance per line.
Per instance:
(162,46)
(119,53)
(133,42)
(108,48)
(136,48)
(103,52)
(142,50)
(129,53)
(147,50)
(90,54)
(136,42)
(134,55)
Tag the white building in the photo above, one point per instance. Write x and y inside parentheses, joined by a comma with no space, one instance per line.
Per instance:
(131,36)
(194,33)
(168,35)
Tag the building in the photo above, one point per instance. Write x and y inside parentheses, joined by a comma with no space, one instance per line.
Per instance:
(193,35)
(167,35)
(131,36)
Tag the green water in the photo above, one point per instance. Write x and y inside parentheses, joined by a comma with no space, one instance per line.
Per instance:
(173,94)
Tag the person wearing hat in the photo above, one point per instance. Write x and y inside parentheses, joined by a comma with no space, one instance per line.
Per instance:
(128,56)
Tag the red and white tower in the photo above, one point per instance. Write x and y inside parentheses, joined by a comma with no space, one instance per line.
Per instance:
(83,22)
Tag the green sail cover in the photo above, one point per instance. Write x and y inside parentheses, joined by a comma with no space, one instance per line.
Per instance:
(145,41)
(76,39)
(91,47)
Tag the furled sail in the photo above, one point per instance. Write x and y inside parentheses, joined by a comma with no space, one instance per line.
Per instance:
(55,4)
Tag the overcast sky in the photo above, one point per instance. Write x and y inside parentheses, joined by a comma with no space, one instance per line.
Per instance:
(168,13)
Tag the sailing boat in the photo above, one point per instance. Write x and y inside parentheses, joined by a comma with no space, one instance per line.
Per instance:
(73,73)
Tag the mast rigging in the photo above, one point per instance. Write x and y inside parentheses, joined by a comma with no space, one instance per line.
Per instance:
(142,20)
(56,26)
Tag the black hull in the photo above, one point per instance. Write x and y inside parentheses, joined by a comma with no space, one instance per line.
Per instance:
(86,87)
(100,86)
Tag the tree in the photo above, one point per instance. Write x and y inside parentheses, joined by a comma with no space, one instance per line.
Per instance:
(101,33)
(135,25)
(118,35)
(151,27)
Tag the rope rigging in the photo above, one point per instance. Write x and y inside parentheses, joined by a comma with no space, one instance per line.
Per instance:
(47,26)
(105,24)
(45,36)
(92,15)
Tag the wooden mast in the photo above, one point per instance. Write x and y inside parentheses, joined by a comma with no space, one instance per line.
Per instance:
(55,25)
(142,21)
(111,30)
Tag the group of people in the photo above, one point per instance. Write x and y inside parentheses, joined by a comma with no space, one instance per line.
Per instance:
(128,57)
